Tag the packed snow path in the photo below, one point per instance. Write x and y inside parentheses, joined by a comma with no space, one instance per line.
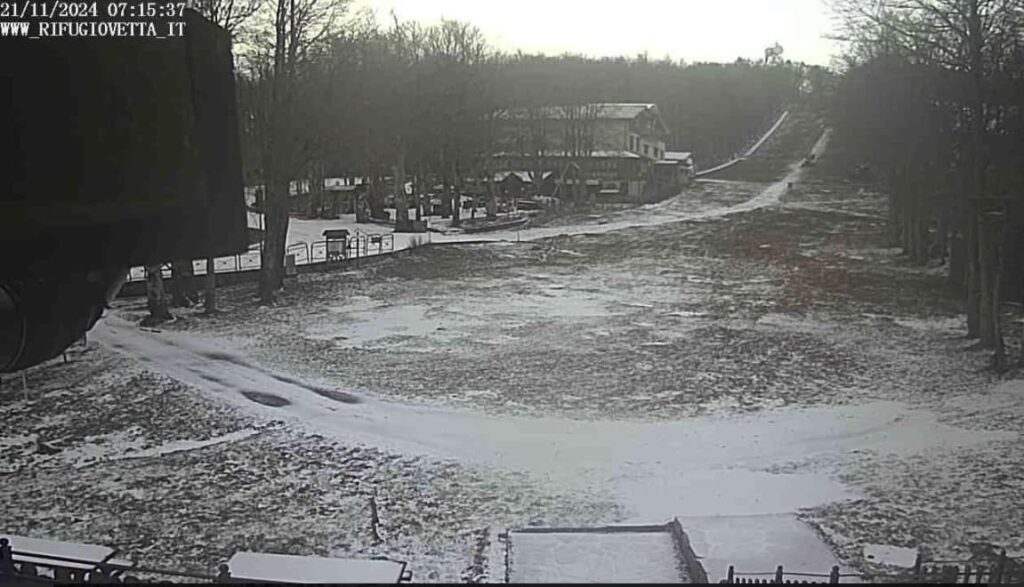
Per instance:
(699,467)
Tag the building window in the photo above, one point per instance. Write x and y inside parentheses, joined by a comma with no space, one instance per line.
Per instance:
(645,149)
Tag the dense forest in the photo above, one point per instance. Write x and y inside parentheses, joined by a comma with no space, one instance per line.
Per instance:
(930,105)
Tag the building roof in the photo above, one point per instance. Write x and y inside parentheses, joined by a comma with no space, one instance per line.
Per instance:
(615,154)
(678,155)
(596,154)
(602,110)
(622,110)
(523,176)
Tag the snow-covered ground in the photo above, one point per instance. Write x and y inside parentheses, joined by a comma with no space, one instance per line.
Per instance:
(700,466)
(621,557)
(740,356)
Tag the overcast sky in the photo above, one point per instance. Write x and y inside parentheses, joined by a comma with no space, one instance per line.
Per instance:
(694,30)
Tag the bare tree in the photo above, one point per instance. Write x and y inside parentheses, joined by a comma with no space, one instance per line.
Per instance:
(535,142)
(971,40)
(231,15)
(156,300)
(457,50)
(210,295)
(407,123)
(579,122)
(288,36)
(183,289)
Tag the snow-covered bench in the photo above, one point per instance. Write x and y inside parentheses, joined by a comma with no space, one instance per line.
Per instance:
(64,561)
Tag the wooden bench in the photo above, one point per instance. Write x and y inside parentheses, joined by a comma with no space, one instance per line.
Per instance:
(68,561)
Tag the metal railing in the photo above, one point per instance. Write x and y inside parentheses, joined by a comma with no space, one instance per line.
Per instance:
(1001,570)
(356,247)
(779,576)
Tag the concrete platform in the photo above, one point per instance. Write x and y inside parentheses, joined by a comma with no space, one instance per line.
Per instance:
(609,554)
(758,544)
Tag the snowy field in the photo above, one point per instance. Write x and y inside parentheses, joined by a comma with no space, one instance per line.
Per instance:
(743,356)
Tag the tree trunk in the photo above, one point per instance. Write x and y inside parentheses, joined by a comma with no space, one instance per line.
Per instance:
(924,237)
(492,196)
(977,170)
(906,227)
(359,206)
(401,206)
(156,300)
(376,198)
(987,320)
(457,199)
(272,257)
(973,272)
(992,230)
(895,220)
(183,287)
(317,197)
(957,264)
(417,190)
(446,199)
(940,246)
(210,295)
(998,343)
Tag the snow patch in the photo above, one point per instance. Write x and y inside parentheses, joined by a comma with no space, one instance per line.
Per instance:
(757,544)
(637,304)
(1011,387)
(687,314)
(793,323)
(592,557)
(896,556)
(187,445)
(104,447)
(371,325)
(12,441)
(942,324)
